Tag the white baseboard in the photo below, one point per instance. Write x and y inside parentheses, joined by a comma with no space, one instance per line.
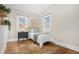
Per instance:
(10,40)
(66,45)
(15,39)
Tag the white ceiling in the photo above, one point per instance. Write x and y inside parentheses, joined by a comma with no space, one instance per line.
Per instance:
(33,8)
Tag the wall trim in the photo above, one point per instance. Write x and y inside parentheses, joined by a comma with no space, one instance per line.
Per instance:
(10,40)
(66,45)
(15,39)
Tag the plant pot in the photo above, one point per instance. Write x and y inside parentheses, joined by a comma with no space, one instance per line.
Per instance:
(2,15)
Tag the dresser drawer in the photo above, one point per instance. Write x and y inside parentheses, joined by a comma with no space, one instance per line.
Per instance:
(22,35)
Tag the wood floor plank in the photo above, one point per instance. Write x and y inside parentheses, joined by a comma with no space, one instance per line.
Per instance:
(31,47)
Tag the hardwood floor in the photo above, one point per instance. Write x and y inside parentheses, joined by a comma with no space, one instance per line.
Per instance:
(30,47)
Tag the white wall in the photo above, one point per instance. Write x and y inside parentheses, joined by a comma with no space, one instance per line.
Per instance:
(71,25)
(12,17)
(65,25)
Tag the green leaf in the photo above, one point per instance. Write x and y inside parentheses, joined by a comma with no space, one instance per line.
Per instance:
(2,7)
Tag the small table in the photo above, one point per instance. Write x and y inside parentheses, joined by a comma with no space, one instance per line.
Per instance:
(22,35)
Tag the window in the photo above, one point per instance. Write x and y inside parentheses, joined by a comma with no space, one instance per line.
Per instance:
(46,23)
(22,23)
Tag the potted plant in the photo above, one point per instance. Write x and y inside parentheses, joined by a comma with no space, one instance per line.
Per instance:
(3,13)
